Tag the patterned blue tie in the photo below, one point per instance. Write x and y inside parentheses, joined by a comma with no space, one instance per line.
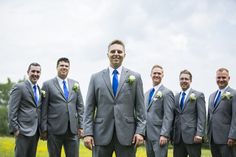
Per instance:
(66,92)
(217,98)
(150,95)
(182,100)
(35,94)
(115,81)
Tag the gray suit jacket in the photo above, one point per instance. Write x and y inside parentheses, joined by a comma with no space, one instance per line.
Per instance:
(222,118)
(23,113)
(57,112)
(160,114)
(190,121)
(106,114)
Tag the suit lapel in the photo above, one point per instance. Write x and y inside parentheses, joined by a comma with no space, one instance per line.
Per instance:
(106,78)
(177,102)
(56,84)
(146,100)
(161,88)
(29,88)
(70,88)
(218,103)
(122,80)
(40,96)
(187,99)
(149,104)
(211,102)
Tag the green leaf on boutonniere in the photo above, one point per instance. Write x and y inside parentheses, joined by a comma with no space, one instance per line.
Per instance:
(43,92)
(227,95)
(76,87)
(131,79)
(192,97)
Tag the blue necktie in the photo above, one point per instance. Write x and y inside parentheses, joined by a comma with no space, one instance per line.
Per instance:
(115,81)
(217,98)
(35,94)
(66,92)
(150,95)
(182,100)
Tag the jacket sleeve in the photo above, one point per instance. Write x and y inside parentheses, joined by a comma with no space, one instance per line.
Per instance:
(140,108)
(201,118)
(89,109)
(14,105)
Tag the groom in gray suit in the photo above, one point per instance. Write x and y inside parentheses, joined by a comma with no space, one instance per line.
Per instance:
(24,113)
(159,102)
(114,117)
(222,117)
(190,119)
(62,112)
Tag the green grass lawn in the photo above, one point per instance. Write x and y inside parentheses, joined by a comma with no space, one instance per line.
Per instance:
(7,149)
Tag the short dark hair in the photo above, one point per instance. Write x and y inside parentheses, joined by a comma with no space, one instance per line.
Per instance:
(185,71)
(64,59)
(33,64)
(116,42)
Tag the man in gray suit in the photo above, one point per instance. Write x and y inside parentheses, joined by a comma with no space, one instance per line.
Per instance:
(114,117)
(159,102)
(62,112)
(222,117)
(190,119)
(24,113)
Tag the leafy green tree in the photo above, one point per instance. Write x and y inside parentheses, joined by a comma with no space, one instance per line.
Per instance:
(3,121)
(4,91)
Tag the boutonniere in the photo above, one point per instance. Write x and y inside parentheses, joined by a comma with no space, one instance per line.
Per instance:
(192,97)
(131,79)
(227,95)
(75,87)
(43,92)
(158,95)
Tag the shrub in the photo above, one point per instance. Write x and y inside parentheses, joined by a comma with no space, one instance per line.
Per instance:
(3,121)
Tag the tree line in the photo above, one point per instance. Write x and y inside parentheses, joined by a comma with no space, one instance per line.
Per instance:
(5,89)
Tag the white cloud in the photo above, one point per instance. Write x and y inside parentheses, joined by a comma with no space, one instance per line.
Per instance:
(197,35)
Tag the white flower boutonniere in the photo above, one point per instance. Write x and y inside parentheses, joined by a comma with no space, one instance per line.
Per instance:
(76,87)
(131,79)
(159,95)
(227,95)
(43,92)
(192,97)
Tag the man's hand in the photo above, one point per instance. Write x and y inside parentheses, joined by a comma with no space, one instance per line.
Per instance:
(44,135)
(137,140)
(163,140)
(231,142)
(16,134)
(197,139)
(80,133)
(89,142)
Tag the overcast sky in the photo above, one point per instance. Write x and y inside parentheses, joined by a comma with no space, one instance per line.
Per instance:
(198,35)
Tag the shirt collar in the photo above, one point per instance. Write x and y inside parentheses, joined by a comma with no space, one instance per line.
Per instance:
(187,91)
(157,87)
(118,69)
(223,90)
(32,85)
(60,80)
